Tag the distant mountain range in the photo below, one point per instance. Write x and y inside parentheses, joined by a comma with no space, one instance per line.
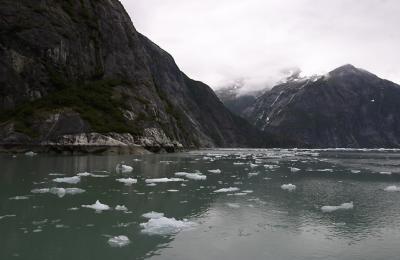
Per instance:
(348,107)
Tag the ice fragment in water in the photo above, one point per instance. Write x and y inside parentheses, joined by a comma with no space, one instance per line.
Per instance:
(70,180)
(340,207)
(288,187)
(98,206)
(392,188)
(165,226)
(153,215)
(127,181)
(230,189)
(119,241)
(215,171)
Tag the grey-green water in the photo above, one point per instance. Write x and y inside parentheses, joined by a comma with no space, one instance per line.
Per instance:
(259,221)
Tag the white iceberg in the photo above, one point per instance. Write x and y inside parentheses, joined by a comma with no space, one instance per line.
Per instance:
(173,190)
(121,168)
(119,241)
(60,192)
(215,171)
(121,208)
(343,206)
(392,188)
(233,205)
(230,189)
(19,198)
(153,215)
(30,154)
(192,176)
(127,181)
(98,206)
(165,226)
(385,173)
(294,169)
(70,180)
(161,180)
(288,187)
(84,174)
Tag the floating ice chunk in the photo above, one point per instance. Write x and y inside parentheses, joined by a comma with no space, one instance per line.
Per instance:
(385,173)
(173,190)
(240,194)
(19,198)
(324,170)
(153,215)
(192,176)
(151,184)
(127,181)
(121,168)
(56,174)
(238,163)
(31,154)
(251,174)
(7,216)
(98,206)
(73,209)
(288,187)
(271,167)
(230,189)
(294,169)
(121,208)
(392,188)
(233,205)
(60,192)
(355,171)
(70,180)
(160,180)
(247,191)
(84,174)
(215,171)
(340,207)
(165,226)
(136,160)
(196,176)
(41,191)
(252,165)
(119,241)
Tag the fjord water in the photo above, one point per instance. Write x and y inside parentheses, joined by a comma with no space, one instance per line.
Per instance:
(258,220)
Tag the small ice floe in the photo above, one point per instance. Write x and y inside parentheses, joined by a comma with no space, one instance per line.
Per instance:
(230,189)
(385,173)
(233,205)
(119,241)
(127,181)
(288,187)
(7,216)
(392,188)
(70,180)
(238,163)
(151,184)
(162,180)
(61,192)
(19,198)
(84,174)
(121,208)
(271,167)
(192,176)
(136,160)
(30,154)
(215,171)
(343,206)
(121,168)
(98,206)
(165,226)
(239,194)
(56,174)
(294,169)
(267,178)
(247,191)
(355,171)
(324,170)
(251,174)
(153,215)
(173,190)
(73,209)
(253,165)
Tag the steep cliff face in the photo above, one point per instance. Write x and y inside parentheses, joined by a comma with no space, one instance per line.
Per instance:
(77,67)
(349,107)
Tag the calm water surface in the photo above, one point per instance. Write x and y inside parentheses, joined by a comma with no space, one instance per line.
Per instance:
(255,220)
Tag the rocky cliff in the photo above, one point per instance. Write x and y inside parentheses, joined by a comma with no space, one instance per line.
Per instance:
(348,107)
(76,72)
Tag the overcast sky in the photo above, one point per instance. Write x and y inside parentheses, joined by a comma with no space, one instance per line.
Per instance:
(220,41)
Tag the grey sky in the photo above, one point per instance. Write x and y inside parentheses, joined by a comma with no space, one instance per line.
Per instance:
(219,41)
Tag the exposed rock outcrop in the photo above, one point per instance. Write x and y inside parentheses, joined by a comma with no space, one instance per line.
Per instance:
(77,71)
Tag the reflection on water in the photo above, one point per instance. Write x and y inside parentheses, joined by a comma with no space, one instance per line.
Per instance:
(258,220)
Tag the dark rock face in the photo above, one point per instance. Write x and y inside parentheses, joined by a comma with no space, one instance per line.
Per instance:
(77,67)
(349,107)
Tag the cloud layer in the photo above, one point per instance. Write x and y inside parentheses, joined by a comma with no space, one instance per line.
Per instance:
(221,41)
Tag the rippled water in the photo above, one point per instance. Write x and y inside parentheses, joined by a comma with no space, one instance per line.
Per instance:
(251,218)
